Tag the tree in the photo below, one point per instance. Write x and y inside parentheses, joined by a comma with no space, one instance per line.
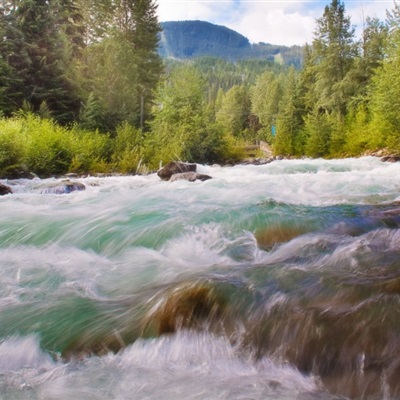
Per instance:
(181,128)
(318,130)
(333,55)
(123,56)
(290,118)
(14,60)
(371,55)
(265,97)
(385,92)
(233,115)
(36,50)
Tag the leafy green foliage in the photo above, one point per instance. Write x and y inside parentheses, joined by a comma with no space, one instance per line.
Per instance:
(233,115)
(182,128)
(44,147)
(290,118)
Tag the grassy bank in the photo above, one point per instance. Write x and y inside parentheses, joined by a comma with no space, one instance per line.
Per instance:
(41,146)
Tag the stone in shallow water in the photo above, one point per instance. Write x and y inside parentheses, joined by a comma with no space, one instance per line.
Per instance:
(4,189)
(275,234)
(175,167)
(63,187)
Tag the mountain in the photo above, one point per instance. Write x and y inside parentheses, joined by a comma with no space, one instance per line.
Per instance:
(191,39)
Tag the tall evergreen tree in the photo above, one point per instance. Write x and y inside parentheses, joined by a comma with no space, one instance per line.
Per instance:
(265,97)
(290,118)
(36,49)
(333,54)
(385,92)
(181,128)
(14,60)
(234,112)
(124,57)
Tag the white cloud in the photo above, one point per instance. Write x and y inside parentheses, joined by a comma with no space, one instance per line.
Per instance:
(285,22)
(275,26)
(181,10)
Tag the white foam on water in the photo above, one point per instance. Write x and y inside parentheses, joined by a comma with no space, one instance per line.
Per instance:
(184,366)
(208,245)
(309,182)
(98,244)
(19,353)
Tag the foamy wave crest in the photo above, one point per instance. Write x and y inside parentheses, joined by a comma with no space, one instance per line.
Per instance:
(209,245)
(23,352)
(183,366)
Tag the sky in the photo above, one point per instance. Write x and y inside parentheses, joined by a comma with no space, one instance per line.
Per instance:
(285,22)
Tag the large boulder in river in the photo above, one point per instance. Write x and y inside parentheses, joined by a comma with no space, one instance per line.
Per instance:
(4,189)
(63,187)
(175,167)
(189,176)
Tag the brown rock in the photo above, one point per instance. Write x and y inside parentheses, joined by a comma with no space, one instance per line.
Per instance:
(63,187)
(5,190)
(271,235)
(175,167)
(392,159)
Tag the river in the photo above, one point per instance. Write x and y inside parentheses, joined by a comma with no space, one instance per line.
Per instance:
(277,282)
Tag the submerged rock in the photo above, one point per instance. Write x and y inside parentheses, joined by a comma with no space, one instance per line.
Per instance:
(63,187)
(189,176)
(175,167)
(4,189)
(275,234)
(188,305)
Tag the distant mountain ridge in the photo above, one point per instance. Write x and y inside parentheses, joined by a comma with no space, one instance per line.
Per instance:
(192,39)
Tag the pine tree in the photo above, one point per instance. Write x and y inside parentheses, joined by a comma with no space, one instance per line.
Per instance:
(290,118)
(35,49)
(14,60)
(384,91)
(181,128)
(234,112)
(123,64)
(334,51)
(266,95)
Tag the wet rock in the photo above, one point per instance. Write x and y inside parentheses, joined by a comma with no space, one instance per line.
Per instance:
(256,161)
(4,189)
(175,167)
(63,187)
(275,234)
(189,176)
(17,172)
(186,306)
(391,158)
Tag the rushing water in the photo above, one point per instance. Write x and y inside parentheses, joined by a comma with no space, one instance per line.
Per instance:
(267,282)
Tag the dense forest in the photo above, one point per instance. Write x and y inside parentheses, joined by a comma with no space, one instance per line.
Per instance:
(193,39)
(84,89)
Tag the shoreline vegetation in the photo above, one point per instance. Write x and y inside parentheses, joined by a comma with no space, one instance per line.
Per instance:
(88,100)
(32,147)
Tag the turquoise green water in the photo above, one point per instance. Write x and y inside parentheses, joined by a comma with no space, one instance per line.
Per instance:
(255,284)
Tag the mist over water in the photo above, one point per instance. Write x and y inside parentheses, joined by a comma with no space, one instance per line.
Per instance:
(266,282)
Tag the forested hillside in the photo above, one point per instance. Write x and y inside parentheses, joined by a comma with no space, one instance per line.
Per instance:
(83,89)
(191,39)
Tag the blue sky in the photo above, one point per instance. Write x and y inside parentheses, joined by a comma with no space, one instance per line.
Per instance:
(284,22)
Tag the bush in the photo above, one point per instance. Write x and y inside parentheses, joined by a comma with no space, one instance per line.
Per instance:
(11,143)
(91,151)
